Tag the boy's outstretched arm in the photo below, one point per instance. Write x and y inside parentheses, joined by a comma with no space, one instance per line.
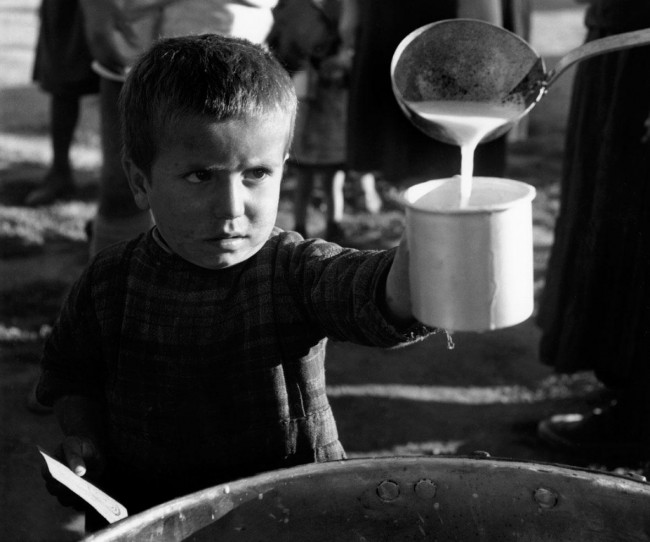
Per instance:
(398,291)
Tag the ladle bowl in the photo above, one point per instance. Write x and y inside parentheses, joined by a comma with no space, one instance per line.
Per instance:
(466,60)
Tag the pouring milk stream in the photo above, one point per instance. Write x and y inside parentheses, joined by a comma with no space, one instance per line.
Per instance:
(470,238)
(467,123)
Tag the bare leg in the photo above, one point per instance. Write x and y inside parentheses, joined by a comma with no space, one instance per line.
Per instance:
(333,186)
(118,218)
(58,182)
(304,189)
(371,199)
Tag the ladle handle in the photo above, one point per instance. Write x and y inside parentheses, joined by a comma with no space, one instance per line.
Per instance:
(609,44)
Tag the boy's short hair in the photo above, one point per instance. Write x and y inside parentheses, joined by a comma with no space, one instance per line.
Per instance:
(212,75)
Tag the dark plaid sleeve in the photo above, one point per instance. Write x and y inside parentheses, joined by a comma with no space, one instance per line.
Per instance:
(343,290)
(72,361)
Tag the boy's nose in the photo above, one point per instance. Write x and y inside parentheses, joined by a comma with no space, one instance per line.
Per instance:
(230,198)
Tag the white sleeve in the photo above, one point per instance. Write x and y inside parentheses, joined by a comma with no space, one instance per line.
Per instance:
(244,18)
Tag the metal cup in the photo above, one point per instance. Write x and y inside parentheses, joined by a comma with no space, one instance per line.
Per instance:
(471,268)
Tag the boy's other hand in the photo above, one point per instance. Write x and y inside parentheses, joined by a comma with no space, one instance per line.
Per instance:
(398,291)
(81,456)
(79,453)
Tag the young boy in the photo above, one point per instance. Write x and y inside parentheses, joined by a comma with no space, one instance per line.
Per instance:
(193,355)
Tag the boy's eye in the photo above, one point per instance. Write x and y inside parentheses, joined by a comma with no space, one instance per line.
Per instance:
(199,176)
(258,174)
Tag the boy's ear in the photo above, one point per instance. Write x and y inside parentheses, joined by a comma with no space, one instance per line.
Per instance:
(138,182)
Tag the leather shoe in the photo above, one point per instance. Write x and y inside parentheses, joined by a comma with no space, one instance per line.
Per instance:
(609,432)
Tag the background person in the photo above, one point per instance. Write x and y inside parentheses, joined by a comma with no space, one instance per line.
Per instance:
(306,39)
(595,308)
(62,69)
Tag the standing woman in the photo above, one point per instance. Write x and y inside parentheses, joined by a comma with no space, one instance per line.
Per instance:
(595,309)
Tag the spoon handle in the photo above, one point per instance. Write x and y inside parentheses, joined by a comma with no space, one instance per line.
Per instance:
(609,44)
(100,501)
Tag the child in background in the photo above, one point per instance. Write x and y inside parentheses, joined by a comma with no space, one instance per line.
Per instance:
(194,354)
(305,37)
(318,151)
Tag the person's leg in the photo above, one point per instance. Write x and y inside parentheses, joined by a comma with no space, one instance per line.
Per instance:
(302,198)
(118,218)
(371,199)
(64,115)
(59,181)
(333,182)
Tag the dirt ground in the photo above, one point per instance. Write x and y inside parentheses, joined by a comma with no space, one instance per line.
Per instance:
(486,393)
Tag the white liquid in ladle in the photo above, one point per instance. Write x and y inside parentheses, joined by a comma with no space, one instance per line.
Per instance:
(467,123)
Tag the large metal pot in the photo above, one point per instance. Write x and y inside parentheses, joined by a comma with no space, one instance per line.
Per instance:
(404,498)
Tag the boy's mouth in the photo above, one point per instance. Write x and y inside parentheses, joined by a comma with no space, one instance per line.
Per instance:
(228,242)
(228,236)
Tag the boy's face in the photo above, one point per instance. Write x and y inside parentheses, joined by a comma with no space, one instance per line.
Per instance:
(214,186)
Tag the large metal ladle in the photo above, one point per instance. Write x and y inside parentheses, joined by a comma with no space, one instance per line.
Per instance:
(466,60)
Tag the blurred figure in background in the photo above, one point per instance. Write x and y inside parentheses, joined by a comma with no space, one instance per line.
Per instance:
(118,32)
(62,69)
(318,151)
(595,309)
(306,39)
(380,137)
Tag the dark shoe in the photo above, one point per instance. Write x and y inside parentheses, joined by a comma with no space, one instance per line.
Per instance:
(609,432)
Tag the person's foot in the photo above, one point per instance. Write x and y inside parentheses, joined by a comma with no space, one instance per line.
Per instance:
(609,432)
(55,186)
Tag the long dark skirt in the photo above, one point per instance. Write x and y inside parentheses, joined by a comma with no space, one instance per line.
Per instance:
(595,309)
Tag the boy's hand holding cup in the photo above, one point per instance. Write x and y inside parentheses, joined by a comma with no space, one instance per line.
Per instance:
(398,290)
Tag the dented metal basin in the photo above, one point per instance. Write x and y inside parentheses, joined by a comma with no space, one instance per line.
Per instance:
(404,498)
